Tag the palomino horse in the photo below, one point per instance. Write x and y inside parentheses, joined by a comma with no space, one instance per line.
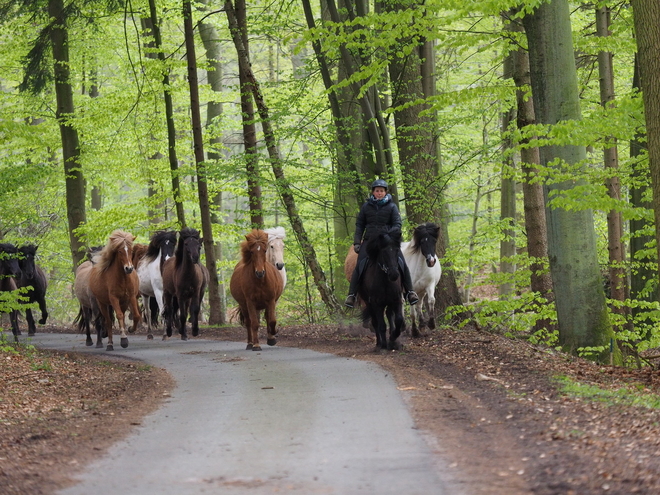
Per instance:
(34,279)
(381,288)
(150,272)
(9,272)
(425,272)
(256,285)
(184,283)
(275,254)
(114,284)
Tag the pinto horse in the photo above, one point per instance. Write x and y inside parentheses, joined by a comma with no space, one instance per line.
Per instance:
(10,271)
(184,283)
(34,280)
(425,272)
(150,272)
(114,284)
(381,288)
(275,254)
(256,285)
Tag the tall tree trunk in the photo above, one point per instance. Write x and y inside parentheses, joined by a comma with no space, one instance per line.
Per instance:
(617,272)
(249,128)
(211,41)
(202,176)
(73,174)
(533,202)
(646,15)
(283,186)
(580,299)
(507,201)
(169,116)
(644,273)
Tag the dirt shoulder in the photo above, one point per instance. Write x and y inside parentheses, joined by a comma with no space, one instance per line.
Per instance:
(487,404)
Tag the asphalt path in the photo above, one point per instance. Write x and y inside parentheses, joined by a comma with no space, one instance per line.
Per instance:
(282,420)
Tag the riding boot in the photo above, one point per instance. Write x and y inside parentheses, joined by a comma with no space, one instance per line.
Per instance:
(411,295)
(353,288)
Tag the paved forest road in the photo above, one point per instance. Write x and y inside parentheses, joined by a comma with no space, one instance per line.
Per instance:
(282,420)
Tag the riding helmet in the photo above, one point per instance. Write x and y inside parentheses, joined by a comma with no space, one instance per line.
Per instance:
(378,183)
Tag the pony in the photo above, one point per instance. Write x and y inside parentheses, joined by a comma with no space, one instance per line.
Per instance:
(275,254)
(381,288)
(34,280)
(10,271)
(256,285)
(184,283)
(149,269)
(114,284)
(425,272)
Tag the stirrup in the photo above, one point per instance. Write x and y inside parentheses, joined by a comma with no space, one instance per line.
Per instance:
(412,297)
(350,301)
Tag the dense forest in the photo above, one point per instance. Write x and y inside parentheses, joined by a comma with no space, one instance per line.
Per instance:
(527,130)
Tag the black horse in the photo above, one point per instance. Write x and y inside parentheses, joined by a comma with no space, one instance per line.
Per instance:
(10,271)
(34,279)
(381,288)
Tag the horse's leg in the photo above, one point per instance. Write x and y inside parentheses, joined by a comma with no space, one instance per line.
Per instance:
(85,323)
(183,316)
(105,327)
(135,313)
(168,314)
(431,305)
(194,316)
(145,304)
(158,294)
(44,311)
(119,313)
(13,318)
(248,327)
(271,322)
(32,328)
(413,318)
(378,322)
(397,325)
(253,328)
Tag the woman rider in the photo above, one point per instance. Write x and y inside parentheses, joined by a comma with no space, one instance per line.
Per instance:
(377,212)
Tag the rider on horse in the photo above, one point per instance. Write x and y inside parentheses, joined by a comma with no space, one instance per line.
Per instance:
(377,213)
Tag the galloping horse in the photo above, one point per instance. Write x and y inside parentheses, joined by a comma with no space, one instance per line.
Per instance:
(425,272)
(275,255)
(34,278)
(9,272)
(184,283)
(150,273)
(256,285)
(381,288)
(114,284)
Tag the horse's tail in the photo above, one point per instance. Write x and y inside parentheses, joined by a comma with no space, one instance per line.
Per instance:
(235,315)
(79,320)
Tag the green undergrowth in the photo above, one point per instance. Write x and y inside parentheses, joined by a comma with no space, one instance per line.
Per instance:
(632,395)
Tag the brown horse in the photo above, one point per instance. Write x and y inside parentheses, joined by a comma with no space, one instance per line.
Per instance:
(184,283)
(256,285)
(34,279)
(114,284)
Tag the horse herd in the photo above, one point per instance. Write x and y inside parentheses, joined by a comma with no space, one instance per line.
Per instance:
(170,280)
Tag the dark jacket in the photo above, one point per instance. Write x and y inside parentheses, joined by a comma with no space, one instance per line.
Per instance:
(374,217)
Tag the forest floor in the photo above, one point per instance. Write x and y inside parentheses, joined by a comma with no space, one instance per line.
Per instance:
(492,407)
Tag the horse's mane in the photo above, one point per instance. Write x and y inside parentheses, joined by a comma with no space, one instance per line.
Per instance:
(383,239)
(28,249)
(115,242)
(425,229)
(157,239)
(184,233)
(275,233)
(254,237)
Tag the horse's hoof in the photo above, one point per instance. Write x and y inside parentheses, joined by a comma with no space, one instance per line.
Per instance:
(110,347)
(195,333)
(42,321)
(89,343)
(395,346)
(256,347)
(123,342)
(100,345)
(31,334)
(131,330)
(249,346)
(150,337)
(271,341)
(184,337)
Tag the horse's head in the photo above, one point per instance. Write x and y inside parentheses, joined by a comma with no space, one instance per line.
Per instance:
(28,253)
(254,250)
(192,247)
(275,253)
(119,246)
(425,238)
(9,261)
(383,249)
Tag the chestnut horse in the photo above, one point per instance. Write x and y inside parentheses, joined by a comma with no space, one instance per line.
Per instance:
(184,283)
(114,284)
(34,279)
(9,272)
(256,285)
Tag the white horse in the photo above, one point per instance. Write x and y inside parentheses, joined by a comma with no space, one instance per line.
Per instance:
(425,272)
(149,270)
(275,254)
